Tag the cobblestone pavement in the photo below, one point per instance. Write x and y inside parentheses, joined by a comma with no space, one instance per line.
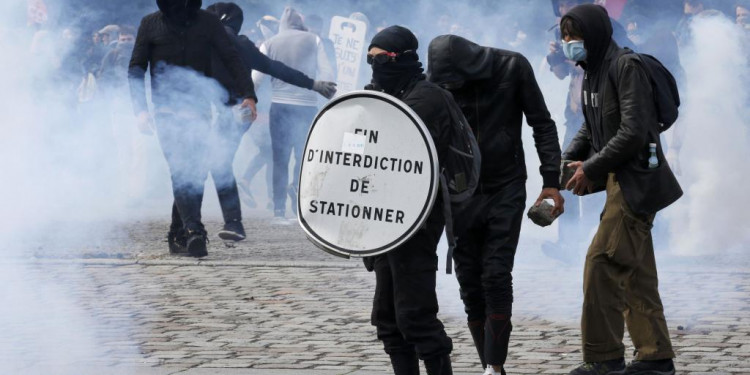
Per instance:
(278,303)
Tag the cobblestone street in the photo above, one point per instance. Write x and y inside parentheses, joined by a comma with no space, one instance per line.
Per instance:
(275,305)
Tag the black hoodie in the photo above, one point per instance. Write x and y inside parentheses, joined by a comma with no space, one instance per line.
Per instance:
(620,117)
(231,16)
(499,89)
(181,34)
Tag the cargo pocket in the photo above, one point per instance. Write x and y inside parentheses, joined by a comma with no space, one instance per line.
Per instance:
(628,240)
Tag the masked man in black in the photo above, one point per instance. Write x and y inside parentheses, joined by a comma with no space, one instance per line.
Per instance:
(495,89)
(620,283)
(176,44)
(405,305)
(227,130)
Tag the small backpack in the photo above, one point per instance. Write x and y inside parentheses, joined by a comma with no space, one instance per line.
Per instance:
(460,170)
(666,94)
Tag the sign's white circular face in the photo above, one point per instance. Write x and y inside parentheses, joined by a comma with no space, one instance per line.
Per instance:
(369,175)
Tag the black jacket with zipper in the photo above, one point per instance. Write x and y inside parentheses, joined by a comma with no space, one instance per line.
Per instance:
(621,121)
(500,88)
(164,42)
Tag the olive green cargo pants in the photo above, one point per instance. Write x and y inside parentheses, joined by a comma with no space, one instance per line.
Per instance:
(620,286)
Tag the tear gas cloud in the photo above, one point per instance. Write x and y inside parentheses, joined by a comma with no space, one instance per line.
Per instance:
(77,169)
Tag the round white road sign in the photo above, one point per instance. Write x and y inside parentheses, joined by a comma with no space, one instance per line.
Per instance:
(369,175)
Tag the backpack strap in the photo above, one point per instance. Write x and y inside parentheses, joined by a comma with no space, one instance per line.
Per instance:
(613,65)
(448,224)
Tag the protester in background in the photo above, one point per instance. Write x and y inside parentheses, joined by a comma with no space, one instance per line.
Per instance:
(176,43)
(292,108)
(113,72)
(692,9)
(495,89)
(228,131)
(405,305)
(620,281)
(110,35)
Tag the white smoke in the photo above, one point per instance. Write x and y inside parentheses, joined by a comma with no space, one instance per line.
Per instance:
(710,218)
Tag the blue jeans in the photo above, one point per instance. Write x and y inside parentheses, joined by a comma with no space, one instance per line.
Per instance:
(289,125)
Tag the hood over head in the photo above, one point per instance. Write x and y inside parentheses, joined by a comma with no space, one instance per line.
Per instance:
(291,20)
(556,5)
(179,10)
(596,27)
(394,76)
(395,39)
(451,59)
(230,15)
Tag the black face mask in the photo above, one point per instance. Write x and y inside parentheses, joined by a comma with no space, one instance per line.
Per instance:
(179,11)
(392,76)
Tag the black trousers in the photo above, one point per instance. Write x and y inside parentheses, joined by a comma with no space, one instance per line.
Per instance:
(289,125)
(487,227)
(184,142)
(226,136)
(223,141)
(405,305)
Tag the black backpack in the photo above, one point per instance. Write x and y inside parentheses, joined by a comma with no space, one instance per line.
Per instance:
(666,95)
(460,168)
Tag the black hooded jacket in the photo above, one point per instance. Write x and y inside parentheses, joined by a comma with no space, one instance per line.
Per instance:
(231,16)
(621,119)
(500,88)
(181,34)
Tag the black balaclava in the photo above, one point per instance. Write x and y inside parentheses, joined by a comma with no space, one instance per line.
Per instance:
(393,76)
(230,15)
(180,11)
(596,27)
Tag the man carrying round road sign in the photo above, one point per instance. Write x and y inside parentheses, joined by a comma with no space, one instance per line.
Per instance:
(369,187)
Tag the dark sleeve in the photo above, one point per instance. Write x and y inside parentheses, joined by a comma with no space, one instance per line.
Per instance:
(545,131)
(229,55)
(262,63)
(137,67)
(579,147)
(637,109)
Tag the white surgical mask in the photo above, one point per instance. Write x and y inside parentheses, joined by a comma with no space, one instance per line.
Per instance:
(574,50)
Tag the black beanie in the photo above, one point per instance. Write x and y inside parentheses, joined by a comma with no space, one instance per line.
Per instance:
(395,39)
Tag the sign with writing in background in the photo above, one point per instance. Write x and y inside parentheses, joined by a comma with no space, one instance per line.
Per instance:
(348,36)
(369,175)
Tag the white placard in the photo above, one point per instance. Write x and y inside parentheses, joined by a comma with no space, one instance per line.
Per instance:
(376,191)
(348,36)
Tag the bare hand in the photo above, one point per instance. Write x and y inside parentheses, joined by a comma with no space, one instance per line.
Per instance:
(579,183)
(554,194)
(250,103)
(145,123)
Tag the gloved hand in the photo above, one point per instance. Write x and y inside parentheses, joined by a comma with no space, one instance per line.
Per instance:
(325,88)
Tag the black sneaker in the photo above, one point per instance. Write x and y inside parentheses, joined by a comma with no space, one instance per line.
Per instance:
(611,367)
(233,231)
(196,243)
(177,242)
(658,367)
